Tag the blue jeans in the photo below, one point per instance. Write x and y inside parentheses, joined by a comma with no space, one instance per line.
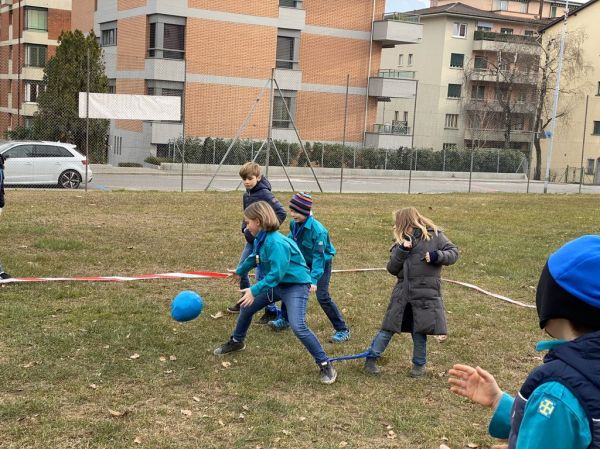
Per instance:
(327,304)
(295,297)
(382,339)
(245,280)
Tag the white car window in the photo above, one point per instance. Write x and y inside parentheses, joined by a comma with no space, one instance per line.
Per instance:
(51,151)
(19,152)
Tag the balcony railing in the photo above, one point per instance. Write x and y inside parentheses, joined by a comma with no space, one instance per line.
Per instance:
(397,74)
(397,128)
(501,37)
(402,17)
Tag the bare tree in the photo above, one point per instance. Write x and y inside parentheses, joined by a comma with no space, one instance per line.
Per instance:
(574,70)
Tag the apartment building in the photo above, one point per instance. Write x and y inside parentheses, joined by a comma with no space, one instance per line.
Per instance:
(219,56)
(525,9)
(477,76)
(29,30)
(576,141)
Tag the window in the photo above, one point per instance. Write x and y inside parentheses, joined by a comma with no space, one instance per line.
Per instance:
(406,116)
(51,151)
(290,3)
(19,152)
(553,10)
(401,59)
(166,37)
(35,55)
(521,96)
(281,118)
(396,115)
(108,37)
(457,60)
(112,86)
(448,146)
(451,121)
(480,63)
(518,122)
(506,30)
(287,49)
(596,128)
(36,19)
(454,90)
(484,28)
(410,59)
(530,33)
(589,169)
(478,92)
(33,89)
(503,5)
(460,29)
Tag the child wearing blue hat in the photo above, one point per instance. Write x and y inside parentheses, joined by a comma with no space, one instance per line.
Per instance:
(558,406)
(286,278)
(318,251)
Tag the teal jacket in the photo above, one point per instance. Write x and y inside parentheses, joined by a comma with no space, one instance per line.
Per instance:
(313,240)
(563,425)
(280,261)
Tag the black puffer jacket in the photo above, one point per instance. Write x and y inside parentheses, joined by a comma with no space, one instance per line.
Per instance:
(262,192)
(417,296)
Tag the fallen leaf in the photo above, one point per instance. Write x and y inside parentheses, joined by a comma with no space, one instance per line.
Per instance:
(169,371)
(242,416)
(286,432)
(472,445)
(389,427)
(29,365)
(196,398)
(245,407)
(217,315)
(391,434)
(134,356)
(302,418)
(225,364)
(116,413)
(93,386)
(172,358)
(221,423)
(443,446)
(186,412)
(343,444)
(106,346)
(137,440)
(162,358)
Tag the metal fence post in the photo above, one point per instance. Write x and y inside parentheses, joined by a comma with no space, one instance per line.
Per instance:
(471,168)
(354,157)
(252,150)
(410,169)
(288,155)
(416,157)
(498,160)
(214,150)
(443,159)
(385,160)
(322,154)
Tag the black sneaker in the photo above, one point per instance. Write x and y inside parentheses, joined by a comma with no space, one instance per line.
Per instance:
(230,346)
(371,367)
(234,308)
(5,275)
(328,373)
(267,316)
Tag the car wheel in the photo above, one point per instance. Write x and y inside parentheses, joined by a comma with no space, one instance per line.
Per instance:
(69,179)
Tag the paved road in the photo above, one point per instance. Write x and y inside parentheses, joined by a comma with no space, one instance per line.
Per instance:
(172,182)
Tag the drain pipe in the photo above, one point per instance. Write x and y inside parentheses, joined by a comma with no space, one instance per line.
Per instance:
(369,74)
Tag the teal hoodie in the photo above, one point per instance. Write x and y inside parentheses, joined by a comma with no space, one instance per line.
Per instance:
(280,261)
(315,245)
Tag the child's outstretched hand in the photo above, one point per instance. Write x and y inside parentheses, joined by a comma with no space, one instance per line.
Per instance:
(247,297)
(475,384)
(234,277)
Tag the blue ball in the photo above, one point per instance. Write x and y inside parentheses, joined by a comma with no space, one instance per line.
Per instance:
(186,306)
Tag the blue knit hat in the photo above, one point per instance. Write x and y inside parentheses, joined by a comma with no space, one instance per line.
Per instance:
(302,203)
(569,286)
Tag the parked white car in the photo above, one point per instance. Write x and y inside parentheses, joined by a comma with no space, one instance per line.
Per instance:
(44,163)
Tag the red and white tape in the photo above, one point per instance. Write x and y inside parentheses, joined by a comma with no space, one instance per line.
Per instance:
(215,275)
(143,277)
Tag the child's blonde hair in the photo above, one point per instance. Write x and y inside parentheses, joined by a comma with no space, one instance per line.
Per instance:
(409,217)
(249,169)
(264,213)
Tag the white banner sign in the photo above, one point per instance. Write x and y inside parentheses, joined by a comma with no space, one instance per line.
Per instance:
(130,107)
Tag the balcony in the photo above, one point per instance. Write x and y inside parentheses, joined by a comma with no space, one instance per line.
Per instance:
(163,132)
(29,109)
(497,135)
(475,104)
(397,28)
(393,136)
(164,69)
(393,84)
(289,79)
(32,73)
(511,43)
(291,15)
(503,76)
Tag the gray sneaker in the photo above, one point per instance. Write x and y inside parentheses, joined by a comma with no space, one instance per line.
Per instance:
(417,371)
(371,367)
(328,373)
(230,346)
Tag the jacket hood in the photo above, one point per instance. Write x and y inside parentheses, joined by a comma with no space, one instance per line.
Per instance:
(583,354)
(263,184)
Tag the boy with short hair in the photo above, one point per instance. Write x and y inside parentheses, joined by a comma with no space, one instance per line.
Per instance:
(258,188)
(558,406)
(318,251)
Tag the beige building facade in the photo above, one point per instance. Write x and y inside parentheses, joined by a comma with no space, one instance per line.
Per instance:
(576,142)
(29,30)
(219,56)
(476,73)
